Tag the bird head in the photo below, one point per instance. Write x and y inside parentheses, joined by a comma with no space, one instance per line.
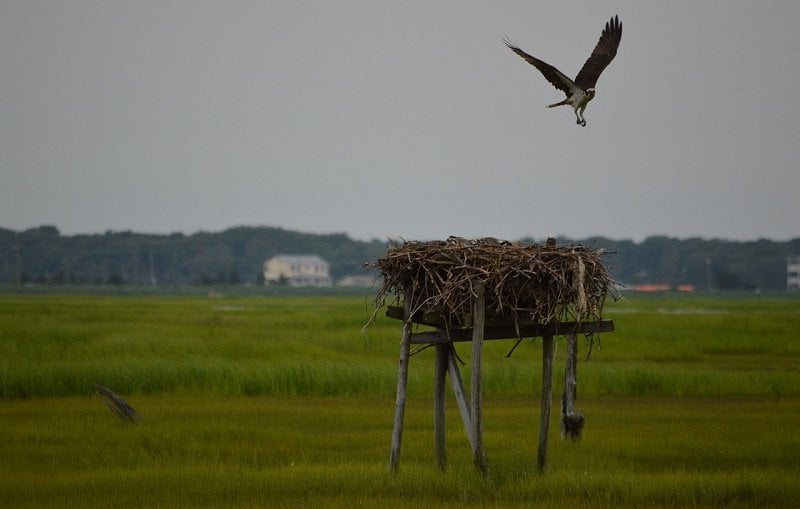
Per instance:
(590,93)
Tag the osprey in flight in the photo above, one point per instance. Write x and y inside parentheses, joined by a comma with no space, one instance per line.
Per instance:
(580,91)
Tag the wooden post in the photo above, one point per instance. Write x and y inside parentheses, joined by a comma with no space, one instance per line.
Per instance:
(460,393)
(402,382)
(440,372)
(571,420)
(478,321)
(570,381)
(547,399)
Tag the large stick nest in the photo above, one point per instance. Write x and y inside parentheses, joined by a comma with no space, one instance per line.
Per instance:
(536,283)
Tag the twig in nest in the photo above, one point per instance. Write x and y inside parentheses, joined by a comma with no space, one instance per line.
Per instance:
(418,349)
(519,340)
(592,339)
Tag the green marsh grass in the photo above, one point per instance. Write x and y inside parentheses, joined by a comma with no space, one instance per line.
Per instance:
(280,401)
(283,451)
(61,346)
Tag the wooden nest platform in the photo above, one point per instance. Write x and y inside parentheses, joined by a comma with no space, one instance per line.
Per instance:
(486,289)
(522,282)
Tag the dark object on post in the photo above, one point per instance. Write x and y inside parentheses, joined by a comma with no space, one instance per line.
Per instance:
(117,405)
(572,420)
(572,425)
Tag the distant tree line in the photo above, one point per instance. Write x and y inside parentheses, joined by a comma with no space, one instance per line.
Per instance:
(235,256)
(708,265)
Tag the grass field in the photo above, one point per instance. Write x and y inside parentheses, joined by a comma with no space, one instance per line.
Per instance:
(280,401)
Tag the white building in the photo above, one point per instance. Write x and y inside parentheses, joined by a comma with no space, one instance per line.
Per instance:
(793,274)
(297,270)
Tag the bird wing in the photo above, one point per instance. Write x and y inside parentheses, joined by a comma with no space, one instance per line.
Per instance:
(557,78)
(603,54)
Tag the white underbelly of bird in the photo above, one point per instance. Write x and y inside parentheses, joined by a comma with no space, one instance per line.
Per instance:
(578,101)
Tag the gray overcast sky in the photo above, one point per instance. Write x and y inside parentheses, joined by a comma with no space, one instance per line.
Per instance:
(411,119)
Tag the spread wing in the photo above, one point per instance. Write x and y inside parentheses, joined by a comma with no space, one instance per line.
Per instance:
(557,78)
(602,55)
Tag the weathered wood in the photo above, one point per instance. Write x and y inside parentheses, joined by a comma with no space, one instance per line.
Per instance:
(402,384)
(476,387)
(570,376)
(571,420)
(460,393)
(440,372)
(547,399)
(547,391)
(496,329)
(526,331)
